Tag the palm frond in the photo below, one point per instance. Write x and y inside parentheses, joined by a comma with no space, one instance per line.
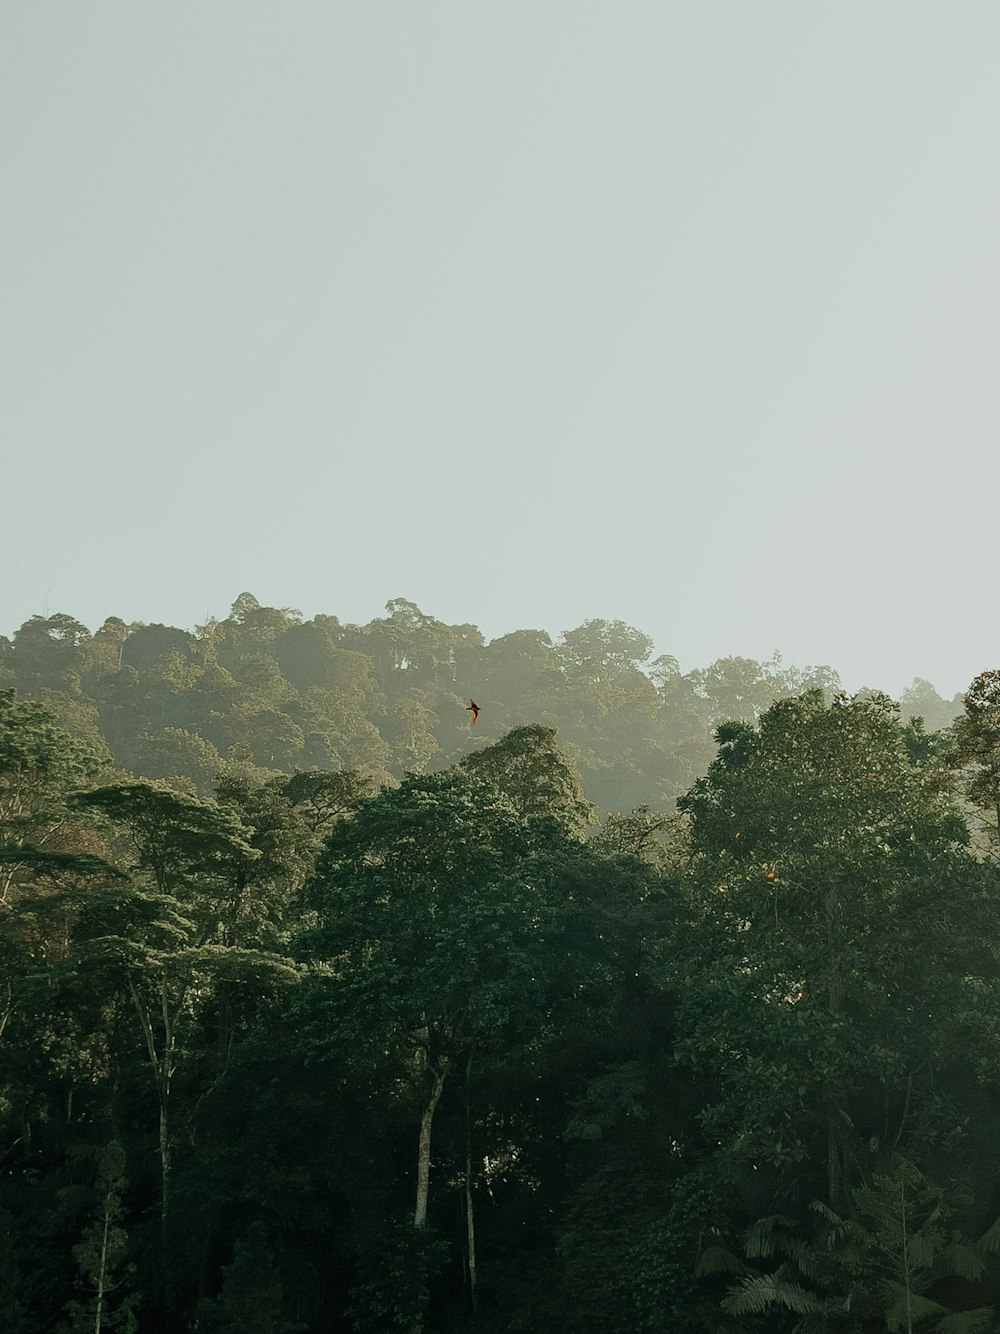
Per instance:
(990,1240)
(719,1260)
(966,1322)
(901,1305)
(922,1250)
(961,1259)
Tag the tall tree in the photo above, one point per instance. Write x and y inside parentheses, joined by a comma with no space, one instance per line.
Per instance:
(823,854)
(432,918)
(106,1300)
(535,776)
(40,764)
(166,940)
(977,733)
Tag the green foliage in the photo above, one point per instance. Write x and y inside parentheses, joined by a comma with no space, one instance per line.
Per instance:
(921,700)
(392,1288)
(174,753)
(430,911)
(107,1300)
(39,762)
(387,697)
(531,771)
(49,652)
(322,798)
(174,837)
(251,1299)
(317,948)
(880,1260)
(977,733)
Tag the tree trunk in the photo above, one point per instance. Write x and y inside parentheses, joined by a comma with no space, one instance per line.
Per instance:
(161,1065)
(834,1002)
(470,1217)
(906,1259)
(424,1150)
(101,1270)
(8,1006)
(832,1160)
(164,1161)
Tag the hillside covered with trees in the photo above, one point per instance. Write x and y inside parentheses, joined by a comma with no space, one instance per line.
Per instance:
(389,697)
(391,1029)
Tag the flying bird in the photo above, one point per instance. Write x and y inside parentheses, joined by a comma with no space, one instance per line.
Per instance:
(473,708)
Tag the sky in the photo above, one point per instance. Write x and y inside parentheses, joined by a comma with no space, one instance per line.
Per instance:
(681,314)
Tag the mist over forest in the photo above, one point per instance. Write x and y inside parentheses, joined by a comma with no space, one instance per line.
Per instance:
(267,688)
(649,1001)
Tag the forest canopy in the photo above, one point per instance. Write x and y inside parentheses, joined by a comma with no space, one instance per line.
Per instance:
(387,698)
(665,1003)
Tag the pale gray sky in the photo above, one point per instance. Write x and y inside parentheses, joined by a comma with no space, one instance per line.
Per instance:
(683,313)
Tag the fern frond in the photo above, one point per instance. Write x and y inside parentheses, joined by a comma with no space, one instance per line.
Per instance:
(838,1227)
(812,1324)
(809,1263)
(761,1238)
(826,1213)
(755,1295)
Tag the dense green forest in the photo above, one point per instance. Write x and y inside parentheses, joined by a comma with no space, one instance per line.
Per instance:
(657,1002)
(388,698)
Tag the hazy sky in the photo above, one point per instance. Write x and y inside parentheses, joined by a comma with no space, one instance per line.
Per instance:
(682,313)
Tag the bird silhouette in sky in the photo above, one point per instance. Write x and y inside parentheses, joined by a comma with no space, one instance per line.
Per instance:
(473,708)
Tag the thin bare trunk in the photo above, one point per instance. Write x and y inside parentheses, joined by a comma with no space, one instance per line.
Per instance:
(424,1150)
(906,1259)
(8,881)
(470,1227)
(470,1216)
(161,1065)
(834,999)
(8,1007)
(164,1161)
(102,1269)
(832,1159)
(906,1110)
